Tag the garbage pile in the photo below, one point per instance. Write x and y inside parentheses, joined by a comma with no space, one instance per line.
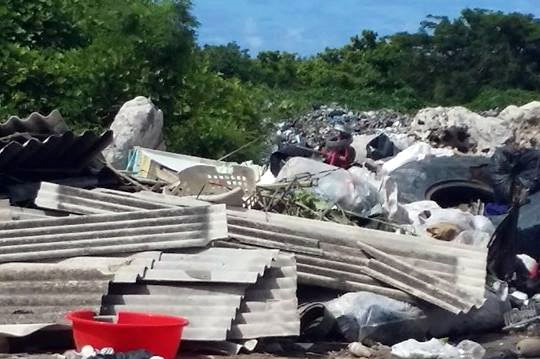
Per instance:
(311,128)
(411,240)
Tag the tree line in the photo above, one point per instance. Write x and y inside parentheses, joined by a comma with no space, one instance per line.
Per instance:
(88,58)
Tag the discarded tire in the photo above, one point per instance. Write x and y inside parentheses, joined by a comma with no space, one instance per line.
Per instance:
(416,179)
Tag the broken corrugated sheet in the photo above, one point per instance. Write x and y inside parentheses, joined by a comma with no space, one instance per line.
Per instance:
(34,124)
(40,143)
(41,294)
(269,308)
(60,153)
(216,265)
(330,254)
(211,294)
(112,233)
(81,201)
(417,283)
(44,293)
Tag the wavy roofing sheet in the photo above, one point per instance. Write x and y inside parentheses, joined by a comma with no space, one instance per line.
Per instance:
(211,286)
(332,255)
(40,143)
(269,307)
(112,233)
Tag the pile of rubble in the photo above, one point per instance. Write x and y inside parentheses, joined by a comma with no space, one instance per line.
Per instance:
(405,247)
(311,128)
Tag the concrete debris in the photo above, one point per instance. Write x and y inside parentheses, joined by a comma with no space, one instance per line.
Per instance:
(138,123)
(460,126)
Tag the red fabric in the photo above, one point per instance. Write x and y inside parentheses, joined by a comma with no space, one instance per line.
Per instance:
(338,158)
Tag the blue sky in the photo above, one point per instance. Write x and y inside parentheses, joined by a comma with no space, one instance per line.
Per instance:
(308,26)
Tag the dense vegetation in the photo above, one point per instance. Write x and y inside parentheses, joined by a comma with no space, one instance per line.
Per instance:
(87,58)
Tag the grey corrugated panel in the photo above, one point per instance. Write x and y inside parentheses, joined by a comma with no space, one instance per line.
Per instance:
(35,123)
(463,266)
(44,293)
(212,265)
(270,306)
(59,152)
(112,233)
(125,269)
(159,198)
(193,287)
(81,201)
(210,308)
(20,213)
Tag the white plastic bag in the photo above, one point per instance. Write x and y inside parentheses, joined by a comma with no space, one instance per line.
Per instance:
(351,190)
(437,349)
(416,152)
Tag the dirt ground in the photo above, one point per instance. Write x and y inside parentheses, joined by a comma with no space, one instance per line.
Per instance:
(497,345)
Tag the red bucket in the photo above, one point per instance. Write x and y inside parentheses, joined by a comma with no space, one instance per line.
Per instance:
(158,334)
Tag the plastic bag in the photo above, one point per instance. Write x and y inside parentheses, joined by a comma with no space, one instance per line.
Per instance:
(511,167)
(370,311)
(416,152)
(353,191)
(437,349)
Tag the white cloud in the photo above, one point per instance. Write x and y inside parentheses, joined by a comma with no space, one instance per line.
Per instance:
(295,34)
(254,42)
(251,35)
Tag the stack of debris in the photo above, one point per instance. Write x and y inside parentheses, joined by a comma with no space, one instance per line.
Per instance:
(205,240)
(311,128)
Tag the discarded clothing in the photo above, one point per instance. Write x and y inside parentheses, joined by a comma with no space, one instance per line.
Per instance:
(342,158)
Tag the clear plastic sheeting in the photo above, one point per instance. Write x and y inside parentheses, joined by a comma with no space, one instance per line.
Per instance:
(416,152)
(371,311)
(438,349)
(353,190)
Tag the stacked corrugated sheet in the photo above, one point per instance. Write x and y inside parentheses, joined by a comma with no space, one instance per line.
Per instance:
(338,256)
(349,258)
(112,233)
(40,143)
(39,295)
(211,286)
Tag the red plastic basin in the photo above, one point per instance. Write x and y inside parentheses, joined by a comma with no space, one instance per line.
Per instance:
(158,334)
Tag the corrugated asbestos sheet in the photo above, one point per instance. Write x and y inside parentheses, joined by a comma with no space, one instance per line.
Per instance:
(39,295)
(112,233)
(45,143)
(332,255)
(208,287)
(44,293)
(34,124)
(66,152)
(269,308)
(80,201)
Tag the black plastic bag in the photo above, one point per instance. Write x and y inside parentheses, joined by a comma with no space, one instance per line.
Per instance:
(512,169)
(380,147)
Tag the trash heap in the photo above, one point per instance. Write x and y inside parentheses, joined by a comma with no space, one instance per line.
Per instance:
(427,236)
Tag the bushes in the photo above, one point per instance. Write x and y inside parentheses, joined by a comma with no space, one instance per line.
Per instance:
(87,58)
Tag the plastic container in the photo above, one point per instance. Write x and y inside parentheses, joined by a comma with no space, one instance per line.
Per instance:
(158,334)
